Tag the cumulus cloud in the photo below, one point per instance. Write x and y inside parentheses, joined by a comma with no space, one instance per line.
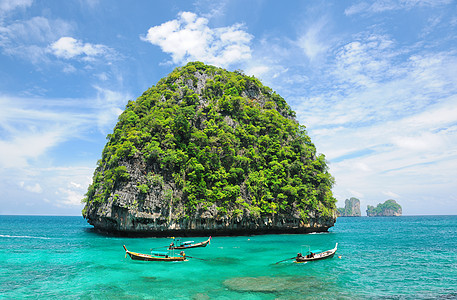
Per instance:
(69,48)
(36,188)
(29,39)
(36,38)
(189,38)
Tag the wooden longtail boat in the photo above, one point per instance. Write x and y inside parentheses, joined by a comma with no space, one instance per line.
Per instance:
(155,257)
(310,256)
(188,244)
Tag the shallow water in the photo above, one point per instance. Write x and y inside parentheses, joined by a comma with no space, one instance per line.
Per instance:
(399,257)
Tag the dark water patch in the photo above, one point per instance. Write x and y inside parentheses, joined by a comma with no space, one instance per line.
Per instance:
(289,287)
(222,261)
(63,251)
(21,251)
(452,295)
(149,278)
(272,284)
(105,291)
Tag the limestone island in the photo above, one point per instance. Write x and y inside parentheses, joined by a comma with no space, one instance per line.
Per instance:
(209,152)
(351,208)
(389,208)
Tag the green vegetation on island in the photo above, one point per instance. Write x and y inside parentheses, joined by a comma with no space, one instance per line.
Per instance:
(208,140)
(386,209)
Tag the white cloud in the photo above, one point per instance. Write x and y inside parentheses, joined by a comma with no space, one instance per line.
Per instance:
(410,157)
(70,184)
(76,185)
(111,104)
(28,39)
(355,193)
(90,3)
(68,197)
(9,5)
(16,152)
(34,39)
(36,188)
(391,195)
(312,42)
(69,48)
(379,6)
(32,127)
(365,62)
(258,70)
(58,187)
(188,38)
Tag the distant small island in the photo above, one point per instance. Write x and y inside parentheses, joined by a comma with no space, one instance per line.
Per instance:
(389,208)
(351,208)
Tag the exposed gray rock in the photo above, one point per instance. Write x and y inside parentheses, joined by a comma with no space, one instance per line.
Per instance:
(351,208)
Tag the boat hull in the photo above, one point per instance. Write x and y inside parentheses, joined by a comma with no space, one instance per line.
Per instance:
(202,244)
(147,257)
(319,256)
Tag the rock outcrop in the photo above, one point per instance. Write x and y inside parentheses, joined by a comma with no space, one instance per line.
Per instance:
(390,208)
(351,208)
(207,151)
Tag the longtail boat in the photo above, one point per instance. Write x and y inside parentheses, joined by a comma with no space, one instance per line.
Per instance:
(157,256)
(316,255)
(188,244)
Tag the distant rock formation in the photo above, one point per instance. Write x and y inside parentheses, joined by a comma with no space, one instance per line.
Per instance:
(351,208)
(390,208)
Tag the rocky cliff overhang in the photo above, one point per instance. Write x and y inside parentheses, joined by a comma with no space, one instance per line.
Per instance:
(145,227)
(122,221)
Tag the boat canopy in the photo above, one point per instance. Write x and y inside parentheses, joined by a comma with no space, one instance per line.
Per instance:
(159,253)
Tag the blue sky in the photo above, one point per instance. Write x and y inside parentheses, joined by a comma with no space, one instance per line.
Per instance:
(374,82)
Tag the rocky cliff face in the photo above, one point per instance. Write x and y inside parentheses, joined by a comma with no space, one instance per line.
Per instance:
(351,208)
(207,151)
(390,208)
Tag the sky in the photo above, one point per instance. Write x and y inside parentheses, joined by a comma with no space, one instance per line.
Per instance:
(374,82)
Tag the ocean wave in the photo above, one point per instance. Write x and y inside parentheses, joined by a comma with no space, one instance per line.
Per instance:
(24,237)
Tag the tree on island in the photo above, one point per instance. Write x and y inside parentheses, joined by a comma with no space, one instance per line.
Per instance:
(386,209)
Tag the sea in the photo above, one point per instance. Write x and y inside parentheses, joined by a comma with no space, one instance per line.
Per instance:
(408,257)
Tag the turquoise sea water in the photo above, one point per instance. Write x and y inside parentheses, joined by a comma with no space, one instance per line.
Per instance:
(390,258)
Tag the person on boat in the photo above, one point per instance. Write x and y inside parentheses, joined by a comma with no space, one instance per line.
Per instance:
(299,255)
(182,254)
(172,245)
